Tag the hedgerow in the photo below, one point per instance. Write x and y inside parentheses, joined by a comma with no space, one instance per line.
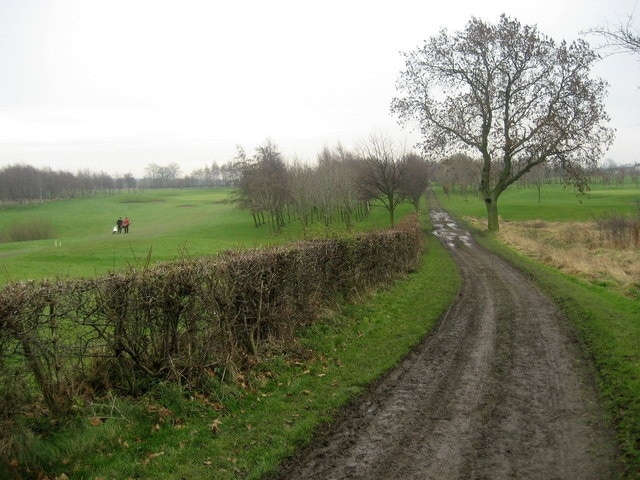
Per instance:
(63,342)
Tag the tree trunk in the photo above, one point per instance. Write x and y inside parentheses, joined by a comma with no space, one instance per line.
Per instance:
(492,213)
(539,186)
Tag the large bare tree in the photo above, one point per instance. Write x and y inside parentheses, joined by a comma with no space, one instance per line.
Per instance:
(511,94)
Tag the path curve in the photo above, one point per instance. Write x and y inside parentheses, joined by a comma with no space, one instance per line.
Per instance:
(495,391)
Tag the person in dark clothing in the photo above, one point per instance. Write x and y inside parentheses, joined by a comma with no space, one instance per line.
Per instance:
(119,224)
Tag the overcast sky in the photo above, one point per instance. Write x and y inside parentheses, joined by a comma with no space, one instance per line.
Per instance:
(114,85)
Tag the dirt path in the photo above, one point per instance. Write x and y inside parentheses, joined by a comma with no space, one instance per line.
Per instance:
(494,392)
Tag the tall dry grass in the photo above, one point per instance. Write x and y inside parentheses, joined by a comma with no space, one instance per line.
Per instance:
(578,248)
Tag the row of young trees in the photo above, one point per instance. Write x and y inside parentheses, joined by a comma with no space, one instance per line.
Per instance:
(168,176)
(340,187)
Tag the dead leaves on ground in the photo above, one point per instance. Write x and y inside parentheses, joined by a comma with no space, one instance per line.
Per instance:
(215,426)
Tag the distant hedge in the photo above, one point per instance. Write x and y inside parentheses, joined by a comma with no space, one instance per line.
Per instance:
(28,230)
(184,321)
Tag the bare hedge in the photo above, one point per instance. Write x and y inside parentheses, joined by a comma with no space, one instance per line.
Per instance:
(184,321)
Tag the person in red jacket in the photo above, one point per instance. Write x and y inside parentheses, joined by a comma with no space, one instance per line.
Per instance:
(125,224)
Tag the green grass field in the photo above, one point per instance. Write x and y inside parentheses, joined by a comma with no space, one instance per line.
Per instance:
(555,203)
(606,323)
(166,225)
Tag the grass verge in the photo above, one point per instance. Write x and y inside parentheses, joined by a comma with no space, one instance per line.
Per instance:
(246,430)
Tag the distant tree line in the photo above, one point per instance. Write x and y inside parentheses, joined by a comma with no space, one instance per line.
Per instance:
(460,173)
(24,183)
(169,176)
(340,187)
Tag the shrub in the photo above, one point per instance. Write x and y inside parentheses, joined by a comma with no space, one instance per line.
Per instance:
(618,230)
(27,230)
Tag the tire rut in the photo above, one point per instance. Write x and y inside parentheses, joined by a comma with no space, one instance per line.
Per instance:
(495,391)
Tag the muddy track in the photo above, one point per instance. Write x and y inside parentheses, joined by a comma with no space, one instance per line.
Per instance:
(495,391)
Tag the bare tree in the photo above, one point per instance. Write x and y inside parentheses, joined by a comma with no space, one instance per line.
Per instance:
(229,174)
(129,181)
(511,94)
(172,172)
(462,171)
(624,37)
(160,176)
(415,179)
(243,194)
(263,185)
(303,192)
(381,173)
(336,176)
(536,177)
(153,174)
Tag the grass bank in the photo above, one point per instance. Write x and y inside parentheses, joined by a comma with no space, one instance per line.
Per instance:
(244,430)
(606,323)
